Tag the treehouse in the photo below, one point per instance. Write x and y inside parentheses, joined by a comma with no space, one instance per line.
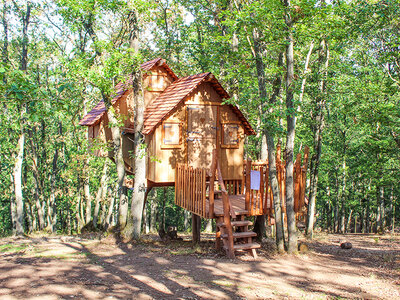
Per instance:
(184,120)
(195,142)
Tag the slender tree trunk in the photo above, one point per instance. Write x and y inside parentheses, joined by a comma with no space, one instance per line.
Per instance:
(19,201)
(291,127)
(343,197)
(17,172)
(140,187)
(120,165)
(306,71)
(392,210)
(323,63)
(269,136)
(52,208)
(383,212)
(29,216)
(86,190)
(153,212)
(13,207)
(380,205)
(208,228)
(186,215)
(348,224)
(163,209)
(100,194)
(38,184)
(109,220)
(146,227)
(5,38)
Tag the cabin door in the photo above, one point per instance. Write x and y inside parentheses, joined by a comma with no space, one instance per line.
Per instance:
(201,135)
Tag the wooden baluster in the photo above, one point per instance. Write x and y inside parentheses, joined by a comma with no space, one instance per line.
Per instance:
(243,177)
(247,196)
(304,176)
(266,203)
(212,180)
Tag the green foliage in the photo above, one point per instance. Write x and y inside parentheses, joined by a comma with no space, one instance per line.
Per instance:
(79,50)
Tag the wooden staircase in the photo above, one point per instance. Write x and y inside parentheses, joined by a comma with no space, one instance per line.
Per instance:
(242,237)
(232,228)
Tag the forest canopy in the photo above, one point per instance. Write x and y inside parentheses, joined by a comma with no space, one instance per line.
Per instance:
(60,58)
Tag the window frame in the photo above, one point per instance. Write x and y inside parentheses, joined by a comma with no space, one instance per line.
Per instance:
(230,146)
(166,146)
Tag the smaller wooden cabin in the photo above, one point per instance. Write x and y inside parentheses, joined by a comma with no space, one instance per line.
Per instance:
(184,120)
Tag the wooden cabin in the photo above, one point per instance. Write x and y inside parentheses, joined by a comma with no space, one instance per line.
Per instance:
(184,120)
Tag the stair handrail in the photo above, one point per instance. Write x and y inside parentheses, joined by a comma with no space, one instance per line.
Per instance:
(226,204)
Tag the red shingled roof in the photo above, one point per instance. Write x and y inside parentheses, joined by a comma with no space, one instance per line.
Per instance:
(98,111)
(169,100)
(148,65)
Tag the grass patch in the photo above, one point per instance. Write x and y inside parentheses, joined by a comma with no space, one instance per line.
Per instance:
(223,283)
(187,251)
(13,248)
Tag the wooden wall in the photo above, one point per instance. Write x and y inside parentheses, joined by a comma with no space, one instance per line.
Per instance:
(204,98)
(154,83)
(162,161)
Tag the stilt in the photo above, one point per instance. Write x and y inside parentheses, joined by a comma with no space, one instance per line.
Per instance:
(196,225)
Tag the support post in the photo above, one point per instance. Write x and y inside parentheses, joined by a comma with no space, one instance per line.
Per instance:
(196,226)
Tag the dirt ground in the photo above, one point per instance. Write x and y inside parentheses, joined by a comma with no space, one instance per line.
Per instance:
(70,267)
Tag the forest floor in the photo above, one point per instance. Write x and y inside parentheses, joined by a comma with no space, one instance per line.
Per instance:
(72,267)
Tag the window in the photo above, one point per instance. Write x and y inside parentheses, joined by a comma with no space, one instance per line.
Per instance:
(171,135)
(230,135)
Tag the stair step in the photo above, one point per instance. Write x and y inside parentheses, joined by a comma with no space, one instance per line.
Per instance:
(247,246)
(238,235)
(236,223)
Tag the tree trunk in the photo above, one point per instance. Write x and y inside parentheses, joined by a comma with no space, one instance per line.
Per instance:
(140,185)
(146,227)
(100,194)
(86,190)
(196,227)
(52,207)
(392,210)
(17,171)
(163,209)
(348,224)
(269,136)
(343,196)
(38,185)
(208,228)
(323,63)
(29,216)
(17,176)
(5,38)
(120,165)
(153,212)
(108,220)
(291,127)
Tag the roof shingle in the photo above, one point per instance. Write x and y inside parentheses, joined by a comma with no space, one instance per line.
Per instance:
(166,102)
(94,116)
